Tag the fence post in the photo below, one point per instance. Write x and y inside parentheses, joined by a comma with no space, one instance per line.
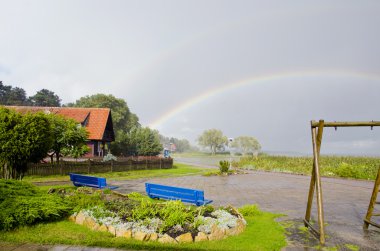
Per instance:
(60,166)
(89,166)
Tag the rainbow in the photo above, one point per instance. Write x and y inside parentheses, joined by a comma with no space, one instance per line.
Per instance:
(256,80)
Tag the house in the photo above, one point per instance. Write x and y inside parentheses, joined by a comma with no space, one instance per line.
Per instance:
(97,121)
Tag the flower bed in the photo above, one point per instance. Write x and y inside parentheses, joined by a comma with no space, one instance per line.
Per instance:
(138,217)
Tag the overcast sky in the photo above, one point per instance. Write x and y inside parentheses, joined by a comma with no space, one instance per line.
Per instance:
(257,68)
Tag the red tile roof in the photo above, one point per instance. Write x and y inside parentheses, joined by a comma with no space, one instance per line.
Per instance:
(96,117)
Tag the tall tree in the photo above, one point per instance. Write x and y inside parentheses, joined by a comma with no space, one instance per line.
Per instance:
(212,138)
(4,93)
(144,141)
(12,95)
(23,139)
(247,145)
(45,97)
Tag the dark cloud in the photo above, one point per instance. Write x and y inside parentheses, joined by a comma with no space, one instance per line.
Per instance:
(158,54)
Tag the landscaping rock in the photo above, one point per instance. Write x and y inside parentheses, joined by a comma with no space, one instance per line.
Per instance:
(140,236)
(240,226)
(123,233)
(236,212)
(153,237)
(112,230)
(80,218)
(72,218)
(185,238)
(90,223)
(217,233)
(103,228)
(166,239)
(201,237)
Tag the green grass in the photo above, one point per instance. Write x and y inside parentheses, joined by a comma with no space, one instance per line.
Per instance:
(262,233)
(330,166)
(177,170)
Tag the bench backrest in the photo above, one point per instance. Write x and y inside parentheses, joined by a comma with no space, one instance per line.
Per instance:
(85,180)
(170,192)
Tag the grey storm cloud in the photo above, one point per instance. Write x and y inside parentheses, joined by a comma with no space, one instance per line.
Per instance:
(315,59)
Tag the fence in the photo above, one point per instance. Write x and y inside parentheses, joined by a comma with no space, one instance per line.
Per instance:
(93,166)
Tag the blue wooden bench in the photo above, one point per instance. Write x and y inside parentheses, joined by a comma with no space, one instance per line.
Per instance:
(89,181)
(156,191)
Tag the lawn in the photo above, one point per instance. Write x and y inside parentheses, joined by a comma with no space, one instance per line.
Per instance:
(177,170)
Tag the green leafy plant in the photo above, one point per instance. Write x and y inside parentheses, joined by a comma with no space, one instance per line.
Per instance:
(146,209)
(250,210)
(224,165)
(175,213)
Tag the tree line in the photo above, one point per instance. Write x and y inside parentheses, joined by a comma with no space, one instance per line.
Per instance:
(17,96)
(215,140)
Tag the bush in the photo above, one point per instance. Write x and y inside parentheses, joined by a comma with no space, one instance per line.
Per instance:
(14,188)
(23,204)
(250,210)
(224,165)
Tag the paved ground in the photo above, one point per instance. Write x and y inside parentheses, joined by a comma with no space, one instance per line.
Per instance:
(345,204)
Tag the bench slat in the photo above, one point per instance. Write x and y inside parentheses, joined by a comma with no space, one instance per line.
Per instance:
(176,193)
(90,181)
(166,192)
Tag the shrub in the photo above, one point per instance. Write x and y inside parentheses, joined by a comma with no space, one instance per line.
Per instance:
(14,188)
(23,204)
(224,165)
(250,210)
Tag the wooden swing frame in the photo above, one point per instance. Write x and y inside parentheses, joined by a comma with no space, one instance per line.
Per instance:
(315,182)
